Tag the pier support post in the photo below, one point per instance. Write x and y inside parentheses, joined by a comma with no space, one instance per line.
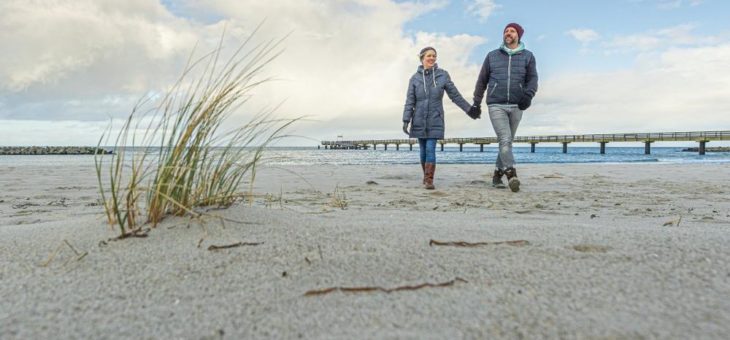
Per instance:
(481,147)
(603,148)
(532,147)
(565,147)
(461,147)
(375,146)
(410,146)
(442,146)
(385,147)
(397,147)
(647,147)
(702,147)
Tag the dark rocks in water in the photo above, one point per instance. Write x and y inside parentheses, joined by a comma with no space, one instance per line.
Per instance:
(52,150)
(710,149)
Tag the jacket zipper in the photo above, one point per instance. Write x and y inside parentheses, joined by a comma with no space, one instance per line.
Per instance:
(428,103)
(509,76)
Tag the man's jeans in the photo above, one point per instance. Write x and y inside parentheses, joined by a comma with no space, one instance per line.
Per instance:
(505,120)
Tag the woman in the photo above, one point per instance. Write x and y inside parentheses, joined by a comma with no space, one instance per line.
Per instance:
(424,109)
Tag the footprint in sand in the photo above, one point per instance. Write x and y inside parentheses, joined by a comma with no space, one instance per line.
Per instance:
(439,194)
(591,248)
(402,202)
(395,177)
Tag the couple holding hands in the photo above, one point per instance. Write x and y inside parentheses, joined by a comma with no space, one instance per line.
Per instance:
(508,75)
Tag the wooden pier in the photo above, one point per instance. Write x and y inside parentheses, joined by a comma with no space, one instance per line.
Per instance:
(701,137)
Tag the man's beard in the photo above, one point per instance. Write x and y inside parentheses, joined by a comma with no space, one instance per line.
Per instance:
(516,41)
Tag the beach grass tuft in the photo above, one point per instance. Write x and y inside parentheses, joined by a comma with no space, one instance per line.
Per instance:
(177,158)
(338,199)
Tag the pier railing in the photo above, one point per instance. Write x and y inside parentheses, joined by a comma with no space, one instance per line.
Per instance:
(702,137)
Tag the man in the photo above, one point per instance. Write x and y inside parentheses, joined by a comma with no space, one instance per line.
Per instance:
(509,76)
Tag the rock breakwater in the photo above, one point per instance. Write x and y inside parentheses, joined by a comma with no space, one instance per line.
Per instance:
(52,150)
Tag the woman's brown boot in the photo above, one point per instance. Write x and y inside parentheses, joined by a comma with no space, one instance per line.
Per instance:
(430,170)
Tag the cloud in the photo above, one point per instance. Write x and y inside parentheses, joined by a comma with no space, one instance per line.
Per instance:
(672,85)
(675,4)
(680,35)
(667,5)
(33,132)
(57,40)
(69,65)
(673,91)
(346,64)
(670,4)
(583,35)
(64,57)
(343,70)
(483,8)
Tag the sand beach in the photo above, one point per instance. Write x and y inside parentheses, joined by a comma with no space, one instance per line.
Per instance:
(324,251)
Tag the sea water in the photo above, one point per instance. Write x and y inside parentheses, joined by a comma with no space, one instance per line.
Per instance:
(472,155)
(450,155)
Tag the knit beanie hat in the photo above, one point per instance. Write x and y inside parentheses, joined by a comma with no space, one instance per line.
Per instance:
(424,50)
(517,28)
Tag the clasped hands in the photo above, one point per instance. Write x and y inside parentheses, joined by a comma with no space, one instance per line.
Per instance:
(475,111)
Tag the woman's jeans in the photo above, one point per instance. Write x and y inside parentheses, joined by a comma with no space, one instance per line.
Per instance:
(428,149)
(505,120)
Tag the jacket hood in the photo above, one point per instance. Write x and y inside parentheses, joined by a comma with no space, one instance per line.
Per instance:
(425,73)
(520,48)
(420,67)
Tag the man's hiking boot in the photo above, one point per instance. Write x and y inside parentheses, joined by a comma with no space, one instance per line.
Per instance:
(497,179)
(512,181)
(430,170)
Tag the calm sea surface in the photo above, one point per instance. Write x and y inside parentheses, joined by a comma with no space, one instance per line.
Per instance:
(450,155)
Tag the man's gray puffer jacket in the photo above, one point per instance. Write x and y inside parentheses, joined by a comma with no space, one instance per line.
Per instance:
(507,78)
(424,107)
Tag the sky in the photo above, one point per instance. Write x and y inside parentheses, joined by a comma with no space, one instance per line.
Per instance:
(69,68)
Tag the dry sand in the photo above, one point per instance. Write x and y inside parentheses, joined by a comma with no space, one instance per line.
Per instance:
(614,251)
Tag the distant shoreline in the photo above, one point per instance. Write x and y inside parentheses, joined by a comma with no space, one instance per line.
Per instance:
(88,150)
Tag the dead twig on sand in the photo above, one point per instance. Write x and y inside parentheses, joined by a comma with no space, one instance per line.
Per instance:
(79,255)
(381,289)
(137,233)
(673,222)
(72,248)
(238,244)
(516,243)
